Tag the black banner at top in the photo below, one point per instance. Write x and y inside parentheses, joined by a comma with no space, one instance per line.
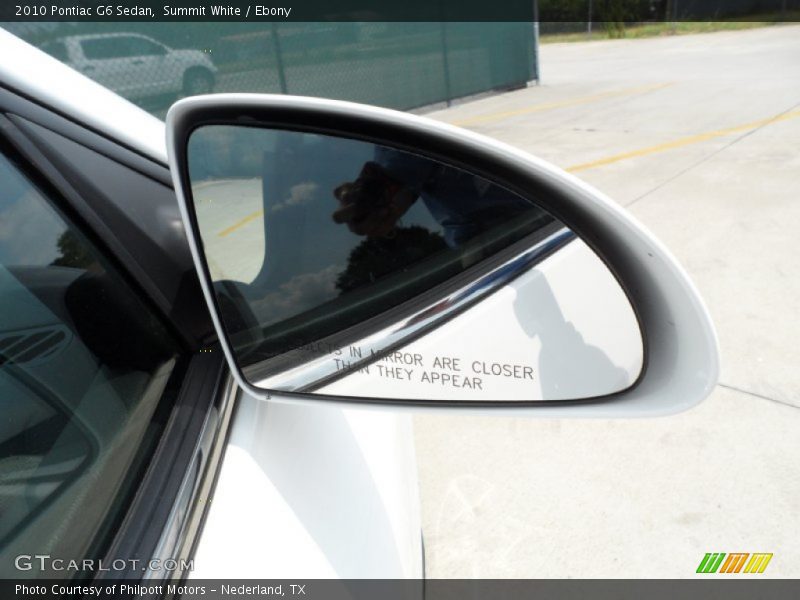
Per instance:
(397,10)
(268,10)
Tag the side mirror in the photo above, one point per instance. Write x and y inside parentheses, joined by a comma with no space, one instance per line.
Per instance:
(351,253)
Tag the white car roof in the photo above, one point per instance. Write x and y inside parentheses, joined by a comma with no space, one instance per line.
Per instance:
(48,81)
(93,36)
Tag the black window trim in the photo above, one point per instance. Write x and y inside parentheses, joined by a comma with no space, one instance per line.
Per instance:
(183,469)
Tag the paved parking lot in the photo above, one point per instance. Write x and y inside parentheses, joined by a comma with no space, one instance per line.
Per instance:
(700,137)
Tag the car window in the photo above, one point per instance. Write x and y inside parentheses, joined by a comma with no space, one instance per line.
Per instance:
(139,46)
(84,365)
(102,48)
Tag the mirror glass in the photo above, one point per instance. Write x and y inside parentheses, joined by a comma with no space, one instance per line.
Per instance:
(348,268)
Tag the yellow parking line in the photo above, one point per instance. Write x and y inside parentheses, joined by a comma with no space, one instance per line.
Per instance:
(685,141)
(240,223)
(561,104)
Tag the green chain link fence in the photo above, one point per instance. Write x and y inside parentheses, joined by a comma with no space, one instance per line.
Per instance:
(396,65)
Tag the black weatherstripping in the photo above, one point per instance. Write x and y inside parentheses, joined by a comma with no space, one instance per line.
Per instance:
(16,102)
(154,522)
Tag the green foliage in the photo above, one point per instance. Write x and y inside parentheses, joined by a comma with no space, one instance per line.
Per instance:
(74,252)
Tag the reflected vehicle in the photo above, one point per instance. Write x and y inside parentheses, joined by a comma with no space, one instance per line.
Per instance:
(136,66)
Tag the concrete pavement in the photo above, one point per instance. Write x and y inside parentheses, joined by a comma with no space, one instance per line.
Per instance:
(699,136)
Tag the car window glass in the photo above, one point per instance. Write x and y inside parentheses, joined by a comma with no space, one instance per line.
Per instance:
(83,366)
(102,48)
(138,46)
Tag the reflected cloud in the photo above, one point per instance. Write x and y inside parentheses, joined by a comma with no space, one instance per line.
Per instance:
(299,195)
(22,220)
(301,292)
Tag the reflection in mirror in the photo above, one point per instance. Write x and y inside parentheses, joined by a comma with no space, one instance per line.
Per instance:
(344,267)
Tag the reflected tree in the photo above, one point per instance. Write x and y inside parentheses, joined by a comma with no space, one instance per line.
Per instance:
(74,252)
(376,257)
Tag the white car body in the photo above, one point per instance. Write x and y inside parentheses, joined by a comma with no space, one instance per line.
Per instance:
(147,69)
